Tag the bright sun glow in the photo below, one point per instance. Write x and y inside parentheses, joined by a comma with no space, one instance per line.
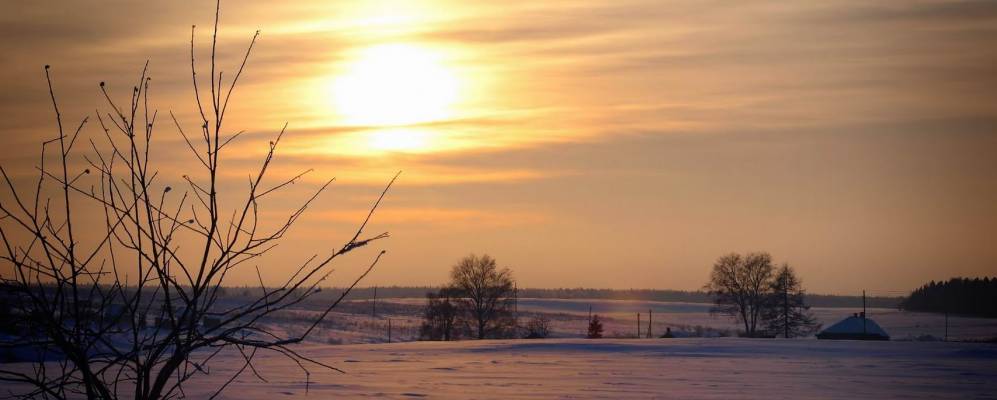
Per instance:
(393,85)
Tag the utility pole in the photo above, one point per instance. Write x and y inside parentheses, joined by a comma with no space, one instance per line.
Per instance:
(515,307)
(638,325)
(649,323)
(587,325)
(948,305)
(389,330)
(863,313)
(785,309)
(373,302)
(946,324)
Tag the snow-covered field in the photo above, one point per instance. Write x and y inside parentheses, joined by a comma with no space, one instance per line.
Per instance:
(710,368)
(568,366)
(693,368)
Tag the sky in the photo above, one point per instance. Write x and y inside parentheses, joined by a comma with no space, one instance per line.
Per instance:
(616,144)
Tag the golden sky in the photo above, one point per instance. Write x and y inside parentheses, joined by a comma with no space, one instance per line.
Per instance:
(622,144)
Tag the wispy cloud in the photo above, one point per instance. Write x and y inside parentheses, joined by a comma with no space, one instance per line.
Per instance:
(435,218)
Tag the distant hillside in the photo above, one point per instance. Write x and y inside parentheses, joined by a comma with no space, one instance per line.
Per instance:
(976,297)
(816,300)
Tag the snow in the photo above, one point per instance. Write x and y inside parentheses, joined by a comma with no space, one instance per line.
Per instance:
(571,367)
(699,368)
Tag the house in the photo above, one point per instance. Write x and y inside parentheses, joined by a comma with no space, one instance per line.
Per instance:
(855,327)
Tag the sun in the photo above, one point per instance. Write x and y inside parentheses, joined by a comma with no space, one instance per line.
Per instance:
(394,85)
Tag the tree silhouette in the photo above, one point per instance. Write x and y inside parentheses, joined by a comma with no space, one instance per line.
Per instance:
(739,286)
(485,295)
(441,317)
(786,313)
(86,299)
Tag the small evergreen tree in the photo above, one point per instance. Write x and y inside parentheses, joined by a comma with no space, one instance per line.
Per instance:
(595,327)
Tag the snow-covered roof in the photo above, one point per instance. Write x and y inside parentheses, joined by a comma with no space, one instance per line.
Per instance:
(854,325)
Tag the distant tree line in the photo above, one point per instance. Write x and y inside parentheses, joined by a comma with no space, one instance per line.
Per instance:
(393,292)
(976,297)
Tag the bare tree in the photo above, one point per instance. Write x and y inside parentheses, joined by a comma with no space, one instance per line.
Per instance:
(485,295)
(786,313)
(739,286)
(441,317)
(88,286)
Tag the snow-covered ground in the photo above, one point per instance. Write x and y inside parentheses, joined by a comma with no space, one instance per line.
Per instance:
(570,367)
(693,368)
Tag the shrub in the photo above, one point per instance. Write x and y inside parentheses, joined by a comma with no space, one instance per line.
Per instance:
(538,327)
